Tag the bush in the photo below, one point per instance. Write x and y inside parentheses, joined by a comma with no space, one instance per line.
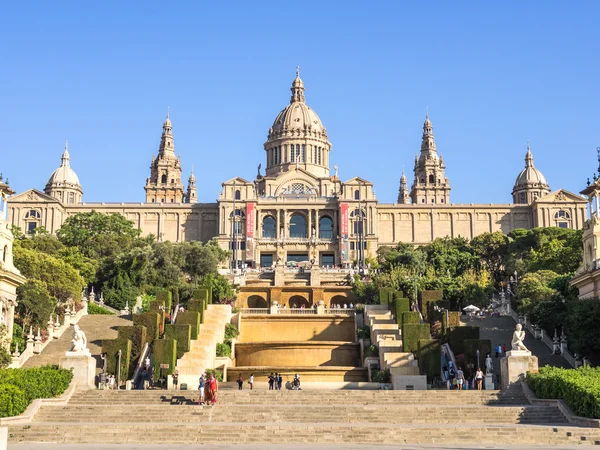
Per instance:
(412,333)
(231,332)
(111,347)
(411,317)
(17,338)
(191,318)
(164,298)
(430,358)
(151,320)
(382,376)
(385,296)
(214,372)
(372,350)
(401,305)
(138,336)
(427,299)
(364,332)
(458,335)
(18,387)
(181,332)
(93,308)
(223,349)
(165,352)
(580,388)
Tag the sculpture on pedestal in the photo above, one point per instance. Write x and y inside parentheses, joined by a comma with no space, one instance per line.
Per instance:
(488,365)
(79,341)
(518,338)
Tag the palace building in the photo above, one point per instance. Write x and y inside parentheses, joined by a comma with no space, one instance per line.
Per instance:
(298,210)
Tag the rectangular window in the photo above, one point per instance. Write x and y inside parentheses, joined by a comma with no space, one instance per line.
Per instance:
(292,154)
(31,226)
(303,153)
(319,155)
(298,152)
(563,225)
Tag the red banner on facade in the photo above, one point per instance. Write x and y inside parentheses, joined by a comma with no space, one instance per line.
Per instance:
(249,220)
(344,219)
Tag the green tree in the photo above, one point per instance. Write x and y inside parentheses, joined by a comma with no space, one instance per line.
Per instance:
(491,248)
(35,303)
(535,288)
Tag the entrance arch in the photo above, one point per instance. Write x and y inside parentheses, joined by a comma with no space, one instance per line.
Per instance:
(338,300)
(297,301)
(257,301)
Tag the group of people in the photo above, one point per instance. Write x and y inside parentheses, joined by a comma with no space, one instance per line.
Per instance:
(459,381)
(275,382)
(500,350)
(208,387)
(338,306)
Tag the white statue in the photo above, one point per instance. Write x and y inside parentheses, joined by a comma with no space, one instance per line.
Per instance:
(518,338)
(79,341)
(488,365)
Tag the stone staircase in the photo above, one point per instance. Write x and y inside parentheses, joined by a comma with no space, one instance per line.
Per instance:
(280,417)
(96,328)
(386,334)
(203,350)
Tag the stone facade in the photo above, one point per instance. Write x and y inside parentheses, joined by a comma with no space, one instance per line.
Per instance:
(297,210)
(10,277)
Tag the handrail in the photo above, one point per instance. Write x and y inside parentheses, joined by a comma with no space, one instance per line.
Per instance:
(141,361)
(446,350)
(174,314)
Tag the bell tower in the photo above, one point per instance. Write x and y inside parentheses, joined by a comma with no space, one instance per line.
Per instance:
(403,197)
(164,184)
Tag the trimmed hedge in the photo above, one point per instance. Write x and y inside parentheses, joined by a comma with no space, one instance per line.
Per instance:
(385,296)
(197,306)
(94,309)
(458,335)
(412,333)
(111,347)
(427,299)
(191,318)
(430,358)
(138,336)
(580,388)
(453,319)
(19,387)
(164,298)
(151,320)
(181,333)
(165,352)
(410,317)
(401,305)
(471,347)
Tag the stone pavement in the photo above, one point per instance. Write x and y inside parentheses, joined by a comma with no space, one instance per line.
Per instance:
(95,327)
(500,330)
(166,446)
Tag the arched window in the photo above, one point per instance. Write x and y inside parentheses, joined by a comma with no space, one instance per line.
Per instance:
(298,226)
(357,195)
(163,179)
(71,197)
(268,227)
(238,194)
(522,198)
(33,214)
(562,219)
(325,227)
(237,223)
(431,179)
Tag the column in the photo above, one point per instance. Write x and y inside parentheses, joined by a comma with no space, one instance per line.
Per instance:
(309,212)
(597,205)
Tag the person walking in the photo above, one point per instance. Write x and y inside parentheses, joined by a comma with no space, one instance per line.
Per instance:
(176,379)
(498,350)
(271,381)
(214,387)
(276,381)
(201,385)
(240,382)
(479,378)
(251,381)
(279,381)
(460,379)
(504,349)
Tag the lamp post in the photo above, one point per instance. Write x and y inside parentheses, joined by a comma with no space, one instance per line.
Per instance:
(478,365)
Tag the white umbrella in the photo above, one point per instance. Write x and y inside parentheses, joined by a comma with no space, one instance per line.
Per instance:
(471,308)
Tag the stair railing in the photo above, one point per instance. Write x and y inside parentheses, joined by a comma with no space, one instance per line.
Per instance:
(174,314)
(140,363)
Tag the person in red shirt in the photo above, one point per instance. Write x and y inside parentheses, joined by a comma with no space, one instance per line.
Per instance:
(214,387)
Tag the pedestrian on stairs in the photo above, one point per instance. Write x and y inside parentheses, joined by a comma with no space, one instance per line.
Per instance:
(460,379)
(201,385)
(279,382)
(479,378)
(214,387)
(240,382)
(271,381)
(251,381)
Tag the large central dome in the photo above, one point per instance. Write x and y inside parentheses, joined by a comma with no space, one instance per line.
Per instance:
(297,137)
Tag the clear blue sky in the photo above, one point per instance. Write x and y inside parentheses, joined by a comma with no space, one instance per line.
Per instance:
(493,74)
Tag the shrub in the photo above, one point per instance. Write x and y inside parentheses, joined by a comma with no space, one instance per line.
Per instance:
(427,299)
(12,401)
(385,296)
(151,320)
(223,349)
(453,320)
(231,332)
(458,335)
(412,333)
(18,387)
(164,298)
(93,308)
(165,352)
(401,305)
(111,347)
(180,332)
(580,388)
(430,358)
(215,372)
(191,318)
(372,350)
(138,336)
(382,376)
(411,317)
(364,332)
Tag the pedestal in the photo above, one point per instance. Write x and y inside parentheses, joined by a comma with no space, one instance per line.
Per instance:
(489,382)
(84,368)
(515,365)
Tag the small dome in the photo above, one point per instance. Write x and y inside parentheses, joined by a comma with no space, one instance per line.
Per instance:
(64,175)
(530,176)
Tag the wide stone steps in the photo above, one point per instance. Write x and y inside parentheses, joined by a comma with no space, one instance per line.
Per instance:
(288,433)
(320,397)
(307,414)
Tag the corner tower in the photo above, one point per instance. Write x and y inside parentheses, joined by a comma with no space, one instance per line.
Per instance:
(164,184)
(63,184)
(531,183)
(403,197)
(297,137)
(430,185)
